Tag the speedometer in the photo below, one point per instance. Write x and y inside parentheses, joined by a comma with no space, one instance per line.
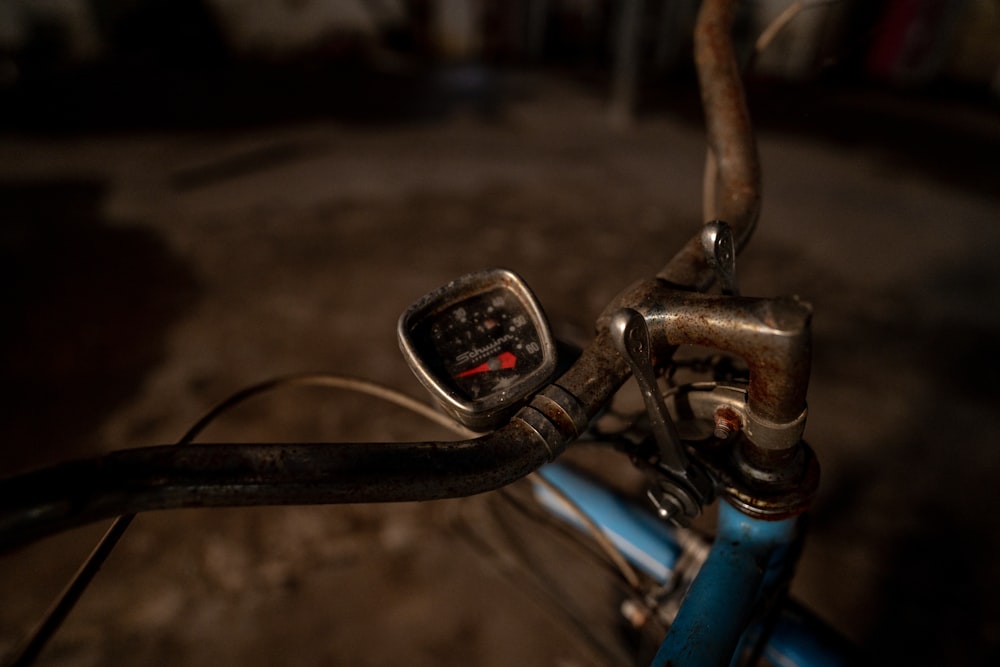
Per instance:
(480,345)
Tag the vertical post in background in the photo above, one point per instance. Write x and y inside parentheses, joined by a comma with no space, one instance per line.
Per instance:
(625,78)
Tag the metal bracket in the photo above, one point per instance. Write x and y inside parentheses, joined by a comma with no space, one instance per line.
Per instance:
(720,251)
(771,494)
(685,487)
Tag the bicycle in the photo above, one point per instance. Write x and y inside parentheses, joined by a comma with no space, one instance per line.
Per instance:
(754,457)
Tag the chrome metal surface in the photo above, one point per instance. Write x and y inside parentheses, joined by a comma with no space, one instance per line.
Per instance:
(631,338)
(682,488)
(720,251)
(772,335)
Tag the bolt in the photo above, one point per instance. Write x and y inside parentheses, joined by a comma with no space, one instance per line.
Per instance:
(727,422)
(668,506)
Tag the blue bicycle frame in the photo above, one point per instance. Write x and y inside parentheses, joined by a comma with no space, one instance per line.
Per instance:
(724,611)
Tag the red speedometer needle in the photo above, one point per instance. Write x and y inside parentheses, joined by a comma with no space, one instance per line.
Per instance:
(504,360)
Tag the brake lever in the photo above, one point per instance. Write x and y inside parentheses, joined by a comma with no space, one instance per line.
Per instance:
(684,487)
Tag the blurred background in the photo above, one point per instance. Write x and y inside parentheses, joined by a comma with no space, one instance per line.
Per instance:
(199,194)
(132,63)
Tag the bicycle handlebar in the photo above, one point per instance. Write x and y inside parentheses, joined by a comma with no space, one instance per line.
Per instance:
(50,500)
(735,178)
(125,482)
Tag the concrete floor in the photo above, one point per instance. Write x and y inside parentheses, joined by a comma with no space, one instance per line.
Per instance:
(150,273)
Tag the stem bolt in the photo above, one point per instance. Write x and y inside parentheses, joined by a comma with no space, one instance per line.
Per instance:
(727,422)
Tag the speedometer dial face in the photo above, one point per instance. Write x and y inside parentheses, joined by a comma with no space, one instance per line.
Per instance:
(483,344)
(480,344)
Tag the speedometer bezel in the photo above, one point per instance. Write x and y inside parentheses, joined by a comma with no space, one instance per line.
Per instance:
(492,410)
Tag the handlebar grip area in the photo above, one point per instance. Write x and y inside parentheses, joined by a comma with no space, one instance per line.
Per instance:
(40,503)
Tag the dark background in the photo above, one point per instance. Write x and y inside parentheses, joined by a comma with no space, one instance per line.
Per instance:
(197,195)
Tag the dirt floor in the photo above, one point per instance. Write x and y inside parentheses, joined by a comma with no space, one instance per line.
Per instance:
(149,273)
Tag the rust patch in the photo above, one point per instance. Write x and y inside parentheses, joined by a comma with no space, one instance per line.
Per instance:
(727,422)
